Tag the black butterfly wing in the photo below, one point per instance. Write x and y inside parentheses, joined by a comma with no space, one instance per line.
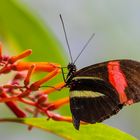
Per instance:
(99,91)
(92,100)
(131,70)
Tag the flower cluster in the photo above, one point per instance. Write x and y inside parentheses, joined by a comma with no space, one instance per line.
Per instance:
(21,89)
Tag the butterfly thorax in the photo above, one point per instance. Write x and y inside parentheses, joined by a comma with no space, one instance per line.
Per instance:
(72,69)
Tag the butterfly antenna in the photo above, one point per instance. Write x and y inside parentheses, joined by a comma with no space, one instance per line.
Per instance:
(84,47)
(63,25)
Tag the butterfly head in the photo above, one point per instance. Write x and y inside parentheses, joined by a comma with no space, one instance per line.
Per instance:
(71,67)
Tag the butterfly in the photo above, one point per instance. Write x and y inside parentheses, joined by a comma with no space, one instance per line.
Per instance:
(101,90)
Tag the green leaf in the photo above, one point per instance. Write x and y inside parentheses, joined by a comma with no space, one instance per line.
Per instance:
(21,30)
(97,131)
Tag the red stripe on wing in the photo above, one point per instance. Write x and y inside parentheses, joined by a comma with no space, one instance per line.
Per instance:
(118,81)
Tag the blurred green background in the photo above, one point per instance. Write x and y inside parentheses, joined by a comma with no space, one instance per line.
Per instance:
(116,27)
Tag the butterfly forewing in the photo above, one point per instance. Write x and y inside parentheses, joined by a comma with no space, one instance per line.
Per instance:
(131,70)
(99,91)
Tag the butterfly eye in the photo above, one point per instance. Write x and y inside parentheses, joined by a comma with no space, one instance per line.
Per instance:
(69,66)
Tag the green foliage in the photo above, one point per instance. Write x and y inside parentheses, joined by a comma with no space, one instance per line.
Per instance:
(20,30)
(66,130)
